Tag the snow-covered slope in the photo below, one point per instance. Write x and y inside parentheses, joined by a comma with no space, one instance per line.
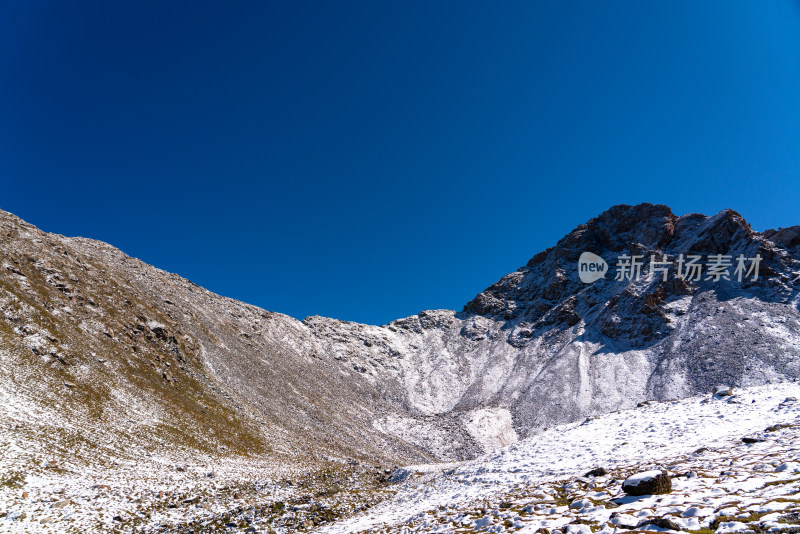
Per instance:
(112,351)
(541,347)
(719,482)
(541,481)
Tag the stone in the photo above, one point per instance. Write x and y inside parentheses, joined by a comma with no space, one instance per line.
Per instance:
(580,503)
(647,483)
(660,522)
(722,391)
(779,426)
(399,475)
(788,466)
(598,472)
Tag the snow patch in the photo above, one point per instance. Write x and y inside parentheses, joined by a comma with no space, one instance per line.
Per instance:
(492,428)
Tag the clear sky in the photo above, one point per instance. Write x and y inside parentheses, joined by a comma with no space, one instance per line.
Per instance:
(367,160)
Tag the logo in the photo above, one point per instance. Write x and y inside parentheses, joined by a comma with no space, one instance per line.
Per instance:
(591,267)
(690,267)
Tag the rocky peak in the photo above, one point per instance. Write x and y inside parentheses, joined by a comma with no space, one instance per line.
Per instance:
(547,291)
(648,225)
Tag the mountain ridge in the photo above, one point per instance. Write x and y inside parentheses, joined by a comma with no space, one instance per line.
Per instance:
(536,348)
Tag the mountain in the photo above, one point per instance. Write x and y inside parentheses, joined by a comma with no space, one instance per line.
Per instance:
(101,349)
(540,347)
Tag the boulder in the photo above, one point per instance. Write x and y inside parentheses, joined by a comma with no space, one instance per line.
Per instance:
(722,391)
(647,483)
(399,475)
(599,472)
(660,522)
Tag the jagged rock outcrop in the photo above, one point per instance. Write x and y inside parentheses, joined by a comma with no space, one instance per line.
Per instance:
(143,349)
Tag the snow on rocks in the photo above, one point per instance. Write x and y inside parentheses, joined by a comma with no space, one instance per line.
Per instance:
(722,391)
(718,482)
(791,467)
(550,481)
(647,483)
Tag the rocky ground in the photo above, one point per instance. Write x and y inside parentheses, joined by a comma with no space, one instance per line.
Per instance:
(734,463)
(733,460)
(747,488)
(39,494)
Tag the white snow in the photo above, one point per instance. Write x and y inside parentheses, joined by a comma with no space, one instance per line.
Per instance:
(492,428)
(540,477)
(649,437)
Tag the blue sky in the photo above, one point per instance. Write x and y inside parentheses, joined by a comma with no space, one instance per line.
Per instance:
(367,160)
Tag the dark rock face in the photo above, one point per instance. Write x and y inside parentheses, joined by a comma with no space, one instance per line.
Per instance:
(788,238)
(650,483)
